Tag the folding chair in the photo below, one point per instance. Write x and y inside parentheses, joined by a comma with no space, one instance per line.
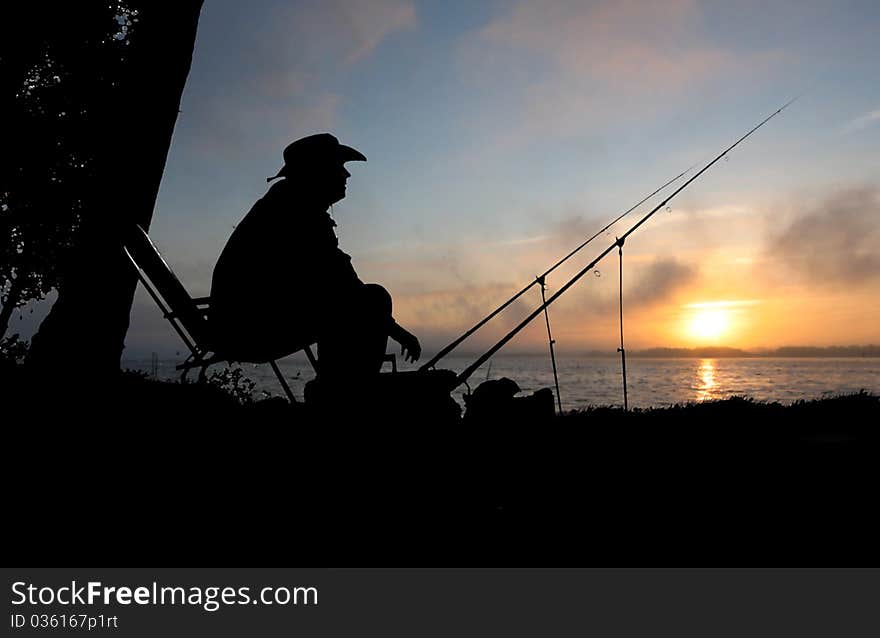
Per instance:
(187,315)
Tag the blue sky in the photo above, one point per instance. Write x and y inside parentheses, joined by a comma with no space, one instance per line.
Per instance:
(498,133)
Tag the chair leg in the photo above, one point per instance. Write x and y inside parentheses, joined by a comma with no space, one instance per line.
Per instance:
(389,357)
(312,359)
(283,382)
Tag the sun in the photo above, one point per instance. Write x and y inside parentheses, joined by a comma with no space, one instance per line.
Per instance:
(709,324)
(715,322)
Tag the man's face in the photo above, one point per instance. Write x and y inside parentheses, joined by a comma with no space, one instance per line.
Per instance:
(334,182)
(325,180)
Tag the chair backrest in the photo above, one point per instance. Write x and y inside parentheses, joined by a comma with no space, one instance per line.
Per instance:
(166,284)
(188,316)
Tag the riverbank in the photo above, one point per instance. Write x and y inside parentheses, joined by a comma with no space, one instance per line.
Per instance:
(586,381)
(188,470)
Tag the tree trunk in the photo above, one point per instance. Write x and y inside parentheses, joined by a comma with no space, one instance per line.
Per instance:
(90,318)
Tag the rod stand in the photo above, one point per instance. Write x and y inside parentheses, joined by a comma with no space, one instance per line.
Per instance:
(621,349)
(542,282)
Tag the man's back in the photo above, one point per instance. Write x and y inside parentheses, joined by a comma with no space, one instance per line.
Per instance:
(278,274)
(282,283)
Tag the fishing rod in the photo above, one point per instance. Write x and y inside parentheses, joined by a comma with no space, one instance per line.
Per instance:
(452,346)
(461,378)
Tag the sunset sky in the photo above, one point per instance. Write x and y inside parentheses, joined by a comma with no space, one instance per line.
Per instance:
(500,134)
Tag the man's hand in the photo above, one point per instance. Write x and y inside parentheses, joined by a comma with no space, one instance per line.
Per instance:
(410,348)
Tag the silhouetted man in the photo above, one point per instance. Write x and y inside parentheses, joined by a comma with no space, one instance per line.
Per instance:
(282,282)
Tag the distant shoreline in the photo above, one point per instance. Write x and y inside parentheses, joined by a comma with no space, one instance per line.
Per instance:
(777,353)
(792,352)
(834,352)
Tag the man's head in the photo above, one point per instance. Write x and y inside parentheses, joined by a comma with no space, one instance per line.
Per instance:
(319,160)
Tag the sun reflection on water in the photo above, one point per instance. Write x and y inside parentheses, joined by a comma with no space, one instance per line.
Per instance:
(706,380)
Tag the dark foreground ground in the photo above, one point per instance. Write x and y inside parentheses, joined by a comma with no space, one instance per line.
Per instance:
(142,471)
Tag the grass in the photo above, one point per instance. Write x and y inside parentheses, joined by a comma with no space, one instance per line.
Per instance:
(736,481)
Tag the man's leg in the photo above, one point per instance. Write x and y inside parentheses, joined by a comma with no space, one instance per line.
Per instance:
(356,336)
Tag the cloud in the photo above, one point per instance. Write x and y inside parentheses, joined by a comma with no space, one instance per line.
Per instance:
(334,32)
(311,46)
(647,283)
(439,316)
(612,41)
(572,228)
(658,281)
(372,22)
(863,121)
(562,234)
(582,63)
(727,305)
(837,243)
(456,308)
(258,73)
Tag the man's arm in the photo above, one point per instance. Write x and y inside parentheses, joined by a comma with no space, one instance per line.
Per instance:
(410,348)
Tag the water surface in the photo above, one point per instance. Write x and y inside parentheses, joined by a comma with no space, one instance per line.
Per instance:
(585,381)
